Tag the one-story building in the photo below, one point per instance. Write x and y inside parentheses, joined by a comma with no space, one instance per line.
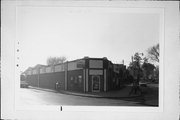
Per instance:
(81,75)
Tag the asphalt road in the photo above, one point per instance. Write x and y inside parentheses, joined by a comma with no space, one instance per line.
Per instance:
(30,96)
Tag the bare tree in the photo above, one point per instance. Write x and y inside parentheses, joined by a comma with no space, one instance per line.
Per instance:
(62,59)
(55,60)
(153,53)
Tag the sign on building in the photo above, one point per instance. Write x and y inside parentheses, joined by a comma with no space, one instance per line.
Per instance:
(59,68)
(81,64)
(95,72)
(35,71)
(73,65)
(29,72)
(95,64)
(48,70)
(42,70)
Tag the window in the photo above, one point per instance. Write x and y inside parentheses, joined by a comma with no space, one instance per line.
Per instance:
(80,78)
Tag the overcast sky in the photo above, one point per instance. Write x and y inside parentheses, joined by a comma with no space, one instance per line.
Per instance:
(75,33)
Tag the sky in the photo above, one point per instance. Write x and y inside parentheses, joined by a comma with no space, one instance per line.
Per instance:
(74,33)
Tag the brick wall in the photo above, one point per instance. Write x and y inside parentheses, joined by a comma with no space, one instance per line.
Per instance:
(75,80)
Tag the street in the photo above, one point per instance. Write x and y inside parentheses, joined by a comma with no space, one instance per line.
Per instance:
(29,96)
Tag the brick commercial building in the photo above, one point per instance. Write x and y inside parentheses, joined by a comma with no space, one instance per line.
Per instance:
(81,75)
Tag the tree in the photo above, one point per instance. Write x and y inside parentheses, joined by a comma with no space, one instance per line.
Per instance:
(153,53)
(148,70)
(145,59)
(136,60)
(137,57)
(55,60)
(135,66)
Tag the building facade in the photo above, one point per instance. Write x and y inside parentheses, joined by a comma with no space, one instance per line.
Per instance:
(81,75)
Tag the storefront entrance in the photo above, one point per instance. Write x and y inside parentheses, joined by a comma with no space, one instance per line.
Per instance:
(95,83)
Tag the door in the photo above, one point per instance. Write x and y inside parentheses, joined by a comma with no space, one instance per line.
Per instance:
(95,83)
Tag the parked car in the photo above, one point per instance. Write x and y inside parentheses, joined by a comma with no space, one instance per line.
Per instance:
(24,84)
(143,84)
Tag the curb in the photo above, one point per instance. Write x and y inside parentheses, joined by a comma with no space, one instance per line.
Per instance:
(83,95)
(96,96)
(75,94)
(43,89)
(91,96)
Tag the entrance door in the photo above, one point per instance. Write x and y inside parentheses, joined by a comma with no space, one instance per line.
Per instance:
(95,83)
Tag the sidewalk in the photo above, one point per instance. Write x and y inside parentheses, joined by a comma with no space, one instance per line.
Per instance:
(44,89)
(150,97)
(122,93)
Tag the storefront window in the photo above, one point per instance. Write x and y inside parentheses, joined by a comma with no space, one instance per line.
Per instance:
(80,78)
